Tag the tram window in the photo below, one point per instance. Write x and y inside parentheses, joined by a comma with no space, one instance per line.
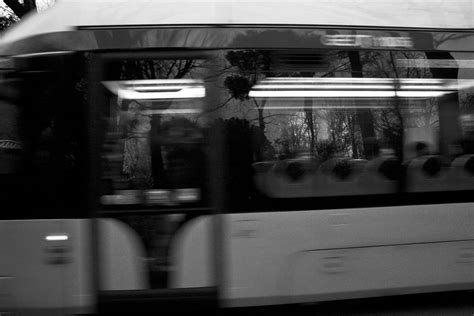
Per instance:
(316,124)
(153,151)
(345,123)
(41,143)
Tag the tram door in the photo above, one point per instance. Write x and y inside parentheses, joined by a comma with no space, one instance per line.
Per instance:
(152,179)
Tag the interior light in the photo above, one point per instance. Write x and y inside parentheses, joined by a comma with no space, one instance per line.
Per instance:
(326,80)
(171,111)
(420,94)
(321,94)
(323,86)
(353,88)
(57,237)
(157,89)
(327,106)
(353,80)
(346,94)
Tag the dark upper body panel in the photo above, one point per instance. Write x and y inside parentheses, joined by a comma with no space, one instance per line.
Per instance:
(144,38)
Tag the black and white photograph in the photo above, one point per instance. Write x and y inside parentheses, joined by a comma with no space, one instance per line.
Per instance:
(236,157)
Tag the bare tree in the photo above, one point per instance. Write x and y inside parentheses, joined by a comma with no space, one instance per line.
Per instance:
(365,117)
(155,69)
(251,66)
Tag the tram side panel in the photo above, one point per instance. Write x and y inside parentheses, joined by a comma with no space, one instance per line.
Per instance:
(295,257)
(48,268)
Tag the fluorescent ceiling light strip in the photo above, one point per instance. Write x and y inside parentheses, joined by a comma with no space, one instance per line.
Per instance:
(129,89)
(321,86)
(326,80)
(322,93)
(171,111)
(188,93)
(301,108)
(347,87)
(305,80)
(156,87)
(344,94)
(57,237)
(420,94)
(332,79)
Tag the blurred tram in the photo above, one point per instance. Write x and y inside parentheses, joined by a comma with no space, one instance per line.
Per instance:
(223,154)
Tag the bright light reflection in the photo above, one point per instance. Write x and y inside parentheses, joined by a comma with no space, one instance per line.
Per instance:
(57,237)
(323,106)
(345,94)
(271,80)
(295,87)
(420,94)
(322,86)
(350,87)
(325,80)
(157,89)
(171,111)
(184,93)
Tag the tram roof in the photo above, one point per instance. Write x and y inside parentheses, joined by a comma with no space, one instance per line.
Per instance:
(70,15)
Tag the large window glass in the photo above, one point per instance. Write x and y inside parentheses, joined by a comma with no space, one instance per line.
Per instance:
(321,123)
(153,153)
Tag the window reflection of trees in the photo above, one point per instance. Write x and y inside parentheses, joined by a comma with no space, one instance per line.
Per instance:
(146,149)
(358,129)
(300,131)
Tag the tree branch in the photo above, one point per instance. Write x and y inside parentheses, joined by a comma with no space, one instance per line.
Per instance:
(170,70)
(335,69)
